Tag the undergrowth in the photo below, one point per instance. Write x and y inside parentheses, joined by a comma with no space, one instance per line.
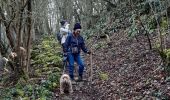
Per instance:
(43,75)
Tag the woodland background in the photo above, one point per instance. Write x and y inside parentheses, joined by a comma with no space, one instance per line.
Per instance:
(130,41)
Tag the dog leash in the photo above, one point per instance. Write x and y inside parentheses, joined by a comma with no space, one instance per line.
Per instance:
(64,63)
(91,67)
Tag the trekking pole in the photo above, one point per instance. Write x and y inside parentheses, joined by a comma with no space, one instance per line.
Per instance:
(91,67)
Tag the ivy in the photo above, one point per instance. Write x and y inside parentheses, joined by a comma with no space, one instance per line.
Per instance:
(45,60)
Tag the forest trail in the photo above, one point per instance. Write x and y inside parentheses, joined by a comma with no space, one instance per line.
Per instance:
(125,70)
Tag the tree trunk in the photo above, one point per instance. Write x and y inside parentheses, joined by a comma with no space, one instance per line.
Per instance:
(29,24)
(7,25)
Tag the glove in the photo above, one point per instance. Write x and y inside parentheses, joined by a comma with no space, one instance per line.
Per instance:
(65,57)
(89,52)
(65,54)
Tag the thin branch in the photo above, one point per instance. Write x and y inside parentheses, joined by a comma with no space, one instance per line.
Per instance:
(110,3)
(3,17)
(22,8)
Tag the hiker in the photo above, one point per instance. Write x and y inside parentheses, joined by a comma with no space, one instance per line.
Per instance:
(72,47)
(64,31)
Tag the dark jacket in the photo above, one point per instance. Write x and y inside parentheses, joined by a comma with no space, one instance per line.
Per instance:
(73,41)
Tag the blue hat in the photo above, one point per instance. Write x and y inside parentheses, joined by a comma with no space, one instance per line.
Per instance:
(63,22)
(77,26)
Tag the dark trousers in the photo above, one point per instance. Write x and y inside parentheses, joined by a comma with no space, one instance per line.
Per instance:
(78,59)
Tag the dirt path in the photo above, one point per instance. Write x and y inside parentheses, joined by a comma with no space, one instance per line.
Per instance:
(82,90)
(132,73)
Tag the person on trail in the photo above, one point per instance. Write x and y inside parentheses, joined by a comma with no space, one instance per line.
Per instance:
(64,31)
(72,47)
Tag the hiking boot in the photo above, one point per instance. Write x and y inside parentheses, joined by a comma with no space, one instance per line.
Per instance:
(80,79)
(71,77)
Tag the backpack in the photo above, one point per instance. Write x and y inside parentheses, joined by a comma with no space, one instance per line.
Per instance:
(59,37)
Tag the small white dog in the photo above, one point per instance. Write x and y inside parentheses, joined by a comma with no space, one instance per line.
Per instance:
(65,84)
